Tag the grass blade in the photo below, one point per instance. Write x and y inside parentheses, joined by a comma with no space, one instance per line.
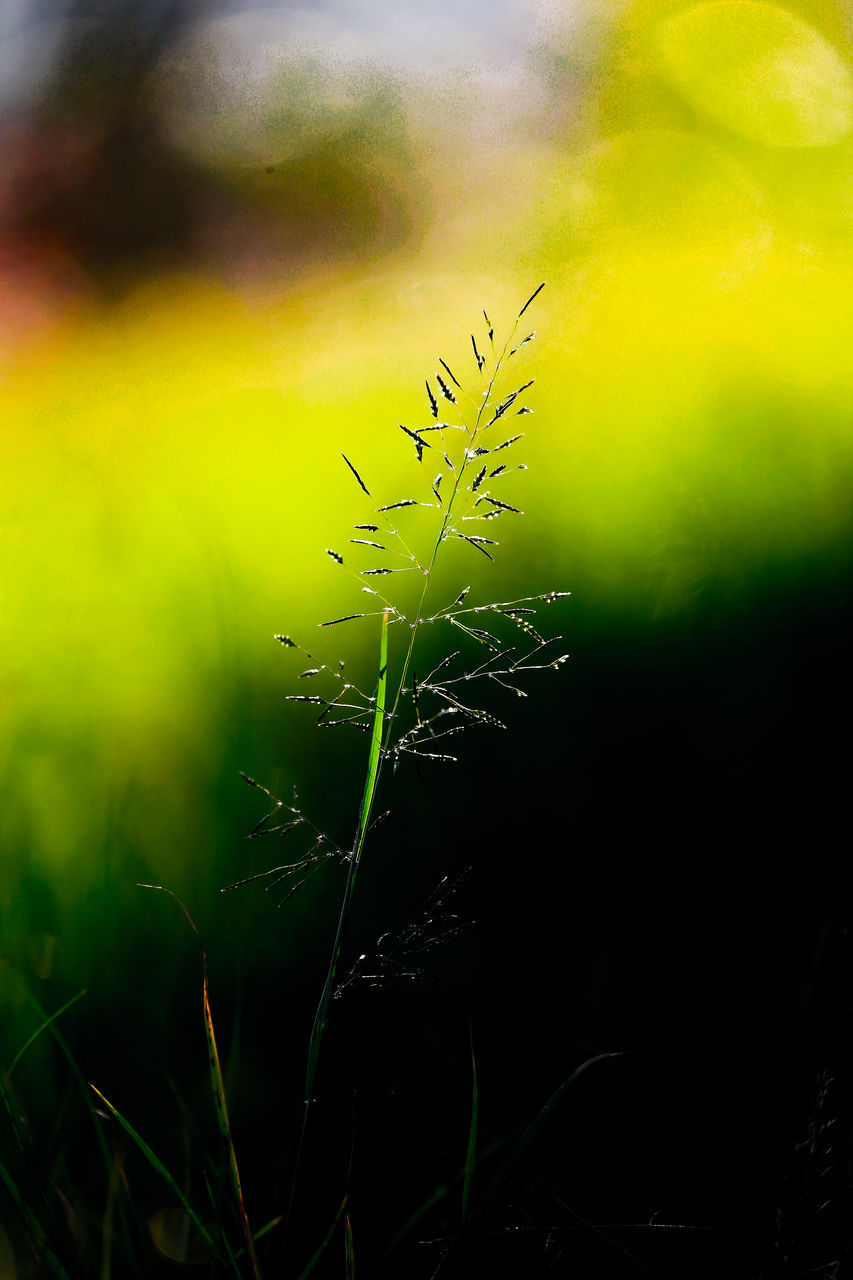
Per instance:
(107,1223)
(532,1130)
(156,1164)
(218,1085)
(36,1232)
(374,762)
(51,1024)
(350,1251)
(471,1152)
(441,1193)
(323,1245)
(34,1228)
(43,1027)
(376,735)
(519,1147)
(370,783)
(218,1088)
(265,1229)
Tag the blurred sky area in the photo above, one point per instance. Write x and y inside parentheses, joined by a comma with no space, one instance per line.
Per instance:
(234,238)
(134,130)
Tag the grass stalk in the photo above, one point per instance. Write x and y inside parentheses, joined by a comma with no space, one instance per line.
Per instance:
(219,1097)
(471,1152)
(469,478)
(383,727)
(47,1022)
(35,1231)
(371,782)
(314,1260)
(156,1164)
(50,1023)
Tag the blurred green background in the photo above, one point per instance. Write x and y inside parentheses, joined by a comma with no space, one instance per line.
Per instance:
(234,242)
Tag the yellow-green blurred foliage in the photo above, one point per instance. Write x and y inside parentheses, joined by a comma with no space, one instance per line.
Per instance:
(170,461)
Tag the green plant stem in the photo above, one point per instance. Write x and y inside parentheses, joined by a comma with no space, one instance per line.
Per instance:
(383,726)
(374,763)
(471,1152)
(380,738)
(374,767)
(219,1098)
(43,1027)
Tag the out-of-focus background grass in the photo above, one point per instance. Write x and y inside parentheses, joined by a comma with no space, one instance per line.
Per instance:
(233,240)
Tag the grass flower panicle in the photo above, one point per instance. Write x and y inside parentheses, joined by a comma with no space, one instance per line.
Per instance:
(406,716)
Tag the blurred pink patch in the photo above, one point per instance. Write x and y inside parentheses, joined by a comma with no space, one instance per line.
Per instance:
(38,277)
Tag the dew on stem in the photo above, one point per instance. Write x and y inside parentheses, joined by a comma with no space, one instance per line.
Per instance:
(407,716)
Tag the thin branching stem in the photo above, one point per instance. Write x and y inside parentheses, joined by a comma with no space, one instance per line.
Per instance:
(420,614)
(384,722)
(380,741)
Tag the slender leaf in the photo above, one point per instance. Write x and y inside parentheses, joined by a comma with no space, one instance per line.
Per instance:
(323,1245)
(155,1162)
(35,1230)
(43,1027)
(349,1248)
(218,1088)
(470,1154)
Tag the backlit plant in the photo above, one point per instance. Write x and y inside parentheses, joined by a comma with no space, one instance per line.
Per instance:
(465,454)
